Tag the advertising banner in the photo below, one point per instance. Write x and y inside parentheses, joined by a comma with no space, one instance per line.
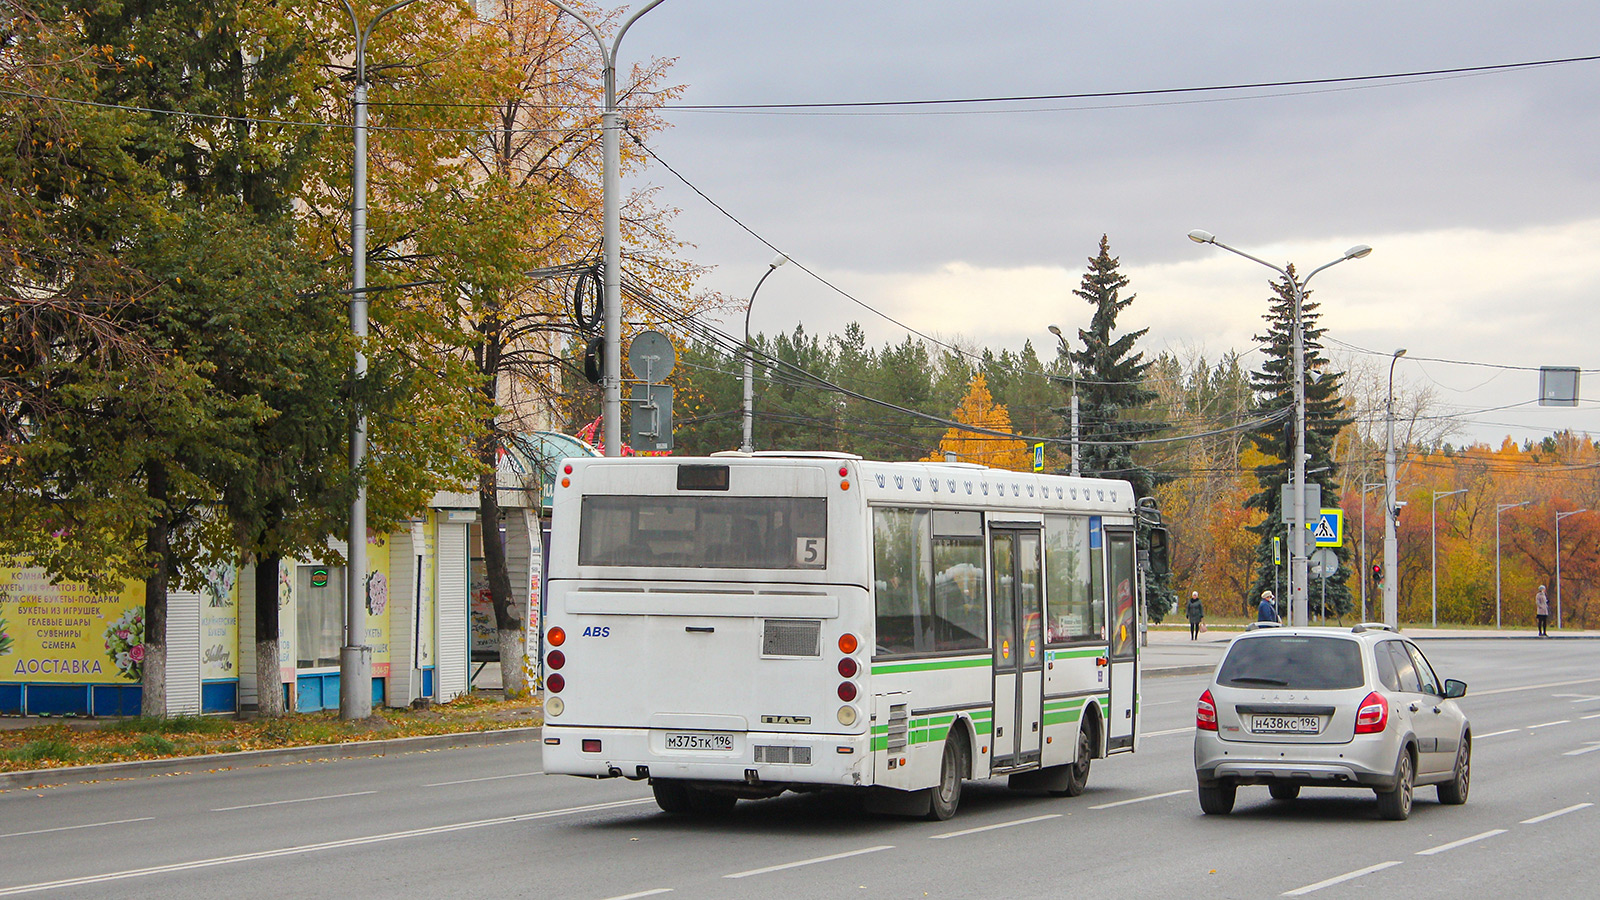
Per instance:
(66,633)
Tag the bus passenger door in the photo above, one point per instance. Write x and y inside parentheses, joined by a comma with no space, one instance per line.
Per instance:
(1124,640)
(1018,646)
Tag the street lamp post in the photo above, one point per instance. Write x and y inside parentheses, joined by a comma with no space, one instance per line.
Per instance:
(1299,565)
(1559,517)
(749,355)
(1498,509)
(611,161)
(1073,372)
(1391,584)
(355,656)
(1433,534)
(1364,561)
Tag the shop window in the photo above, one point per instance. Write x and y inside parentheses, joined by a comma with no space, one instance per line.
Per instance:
(319,615)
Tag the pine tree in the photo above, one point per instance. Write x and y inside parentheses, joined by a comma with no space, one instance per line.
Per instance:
(1110,387)
(1273,384)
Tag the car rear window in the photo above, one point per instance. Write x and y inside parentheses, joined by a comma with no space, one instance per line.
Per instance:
(1293,661)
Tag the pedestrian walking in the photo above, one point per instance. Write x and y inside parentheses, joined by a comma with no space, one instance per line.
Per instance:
(1197,614)
(1541,608)
(1268,610)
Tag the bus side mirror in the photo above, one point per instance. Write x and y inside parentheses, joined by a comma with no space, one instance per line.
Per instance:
(1159,538)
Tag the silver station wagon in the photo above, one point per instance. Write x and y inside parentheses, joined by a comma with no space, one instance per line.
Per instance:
(1324,707)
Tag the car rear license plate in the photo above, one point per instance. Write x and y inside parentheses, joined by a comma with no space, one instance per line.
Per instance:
(1285,724)
(702,741)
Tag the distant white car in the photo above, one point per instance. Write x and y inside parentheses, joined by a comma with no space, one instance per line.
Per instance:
(1324,707)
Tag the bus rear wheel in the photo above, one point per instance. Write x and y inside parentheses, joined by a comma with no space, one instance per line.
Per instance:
(946,795)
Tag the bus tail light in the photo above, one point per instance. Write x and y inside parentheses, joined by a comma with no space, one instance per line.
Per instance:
(848,643)
(556,659)
(555,683)
(1372,717)
(556,636)
(847,715)
(553,707)
(1205,717)
(591,745)
(847,691)
(848,667)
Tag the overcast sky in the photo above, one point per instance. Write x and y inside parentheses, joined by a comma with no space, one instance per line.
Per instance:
(1478,193)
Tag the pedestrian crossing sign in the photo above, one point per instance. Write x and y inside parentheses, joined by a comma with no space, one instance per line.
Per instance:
(1328,530)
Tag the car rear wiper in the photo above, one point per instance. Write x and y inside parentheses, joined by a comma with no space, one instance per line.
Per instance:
(1252,680)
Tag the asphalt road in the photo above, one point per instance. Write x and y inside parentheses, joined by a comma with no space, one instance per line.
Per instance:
(484,822)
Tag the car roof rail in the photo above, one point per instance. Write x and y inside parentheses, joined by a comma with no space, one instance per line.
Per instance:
(1254,625)
(1371,626)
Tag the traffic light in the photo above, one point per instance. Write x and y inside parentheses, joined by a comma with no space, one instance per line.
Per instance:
(1377,572)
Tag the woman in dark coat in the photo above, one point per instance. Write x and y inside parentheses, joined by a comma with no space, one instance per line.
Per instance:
(1197,612)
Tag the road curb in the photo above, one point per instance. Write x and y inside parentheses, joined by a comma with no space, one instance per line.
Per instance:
(211,761)
(1173,671)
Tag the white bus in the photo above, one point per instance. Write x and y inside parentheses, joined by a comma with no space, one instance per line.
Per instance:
(740,625)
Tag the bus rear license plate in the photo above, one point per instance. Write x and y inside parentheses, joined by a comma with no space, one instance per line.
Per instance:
(715,742)
(1285,724)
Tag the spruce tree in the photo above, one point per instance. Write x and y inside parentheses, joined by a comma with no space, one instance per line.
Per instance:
(1110,387)
(1273,384)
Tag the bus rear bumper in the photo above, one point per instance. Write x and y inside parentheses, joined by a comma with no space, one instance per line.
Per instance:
(755,757)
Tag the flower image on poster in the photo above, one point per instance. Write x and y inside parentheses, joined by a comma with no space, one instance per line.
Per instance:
(377,593)
(5,638)
(125,643)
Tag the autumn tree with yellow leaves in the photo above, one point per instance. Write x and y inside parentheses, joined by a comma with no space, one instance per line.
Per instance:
(979,410)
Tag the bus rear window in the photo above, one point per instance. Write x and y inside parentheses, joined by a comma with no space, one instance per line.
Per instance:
(704,532)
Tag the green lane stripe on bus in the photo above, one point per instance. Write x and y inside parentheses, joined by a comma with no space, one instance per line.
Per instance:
(1090,653)
(932,665)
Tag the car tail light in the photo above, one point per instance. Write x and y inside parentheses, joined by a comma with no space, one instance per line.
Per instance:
(847,691)
(556,659)
(1372,716)
(556,636)
(848,667)
(555,683)
(1205,717)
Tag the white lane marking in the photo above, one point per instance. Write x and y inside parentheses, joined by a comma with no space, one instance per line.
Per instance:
(1139,799)
(485,778)
(1579,698)
(1168,731)
(75,827)
(1534,687)
(642,894)
(1595,716)
(297,800)
(808,862)
(1560,812)
(1593,746)
(1461,843)
(310,848)
(951,834)
(1340,879)
(1548,724)
(1497,733)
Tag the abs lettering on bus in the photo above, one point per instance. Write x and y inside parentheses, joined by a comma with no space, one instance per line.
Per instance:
(598,631)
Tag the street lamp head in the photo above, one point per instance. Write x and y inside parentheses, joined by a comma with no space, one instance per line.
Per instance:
(1399,353)
(1055,331)
(1203,237)
(777,261)
(1357,252)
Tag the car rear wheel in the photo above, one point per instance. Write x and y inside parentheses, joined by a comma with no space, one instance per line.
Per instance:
(1217,799)
(1454,791)
(1395,804)
(1283,791)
